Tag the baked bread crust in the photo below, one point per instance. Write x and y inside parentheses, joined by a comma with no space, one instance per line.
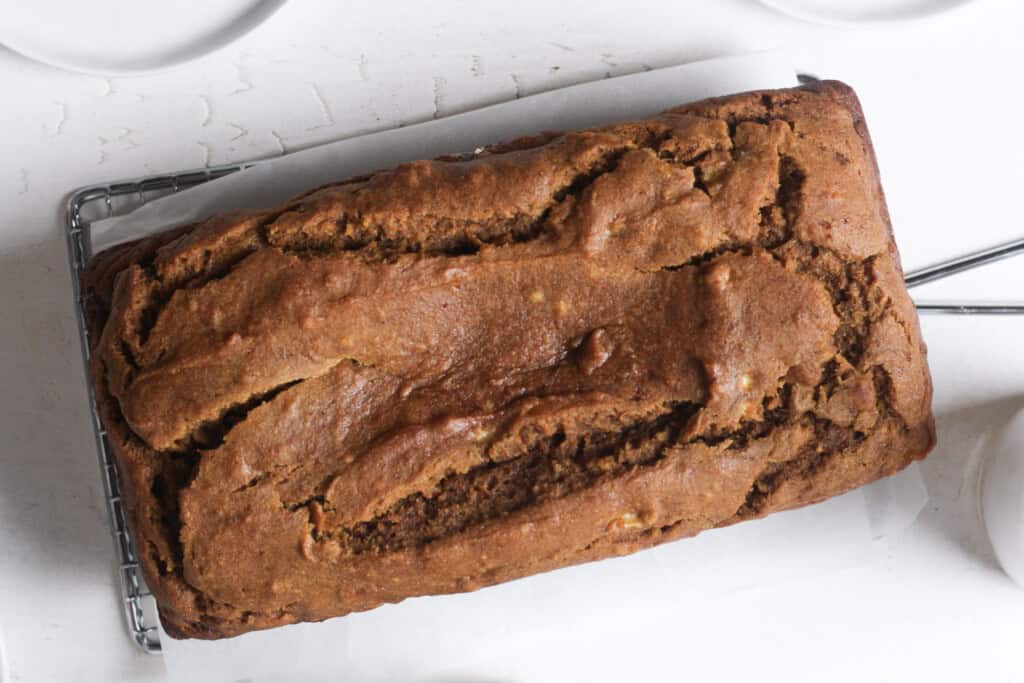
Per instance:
(462,371)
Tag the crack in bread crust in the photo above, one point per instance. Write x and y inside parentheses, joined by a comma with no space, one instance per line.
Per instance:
(831,412)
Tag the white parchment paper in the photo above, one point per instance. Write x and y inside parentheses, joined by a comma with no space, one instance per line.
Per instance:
(538,628)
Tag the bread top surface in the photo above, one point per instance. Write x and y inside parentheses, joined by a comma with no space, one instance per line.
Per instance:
(350,378)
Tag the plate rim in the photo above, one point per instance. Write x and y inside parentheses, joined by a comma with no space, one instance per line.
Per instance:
(785,7)
(258,14)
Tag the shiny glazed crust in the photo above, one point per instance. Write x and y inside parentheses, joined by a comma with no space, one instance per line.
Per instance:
(463,371)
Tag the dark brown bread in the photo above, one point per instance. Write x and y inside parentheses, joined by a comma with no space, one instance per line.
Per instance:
(460,372)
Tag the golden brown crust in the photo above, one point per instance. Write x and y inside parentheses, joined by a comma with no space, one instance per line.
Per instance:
(464,371)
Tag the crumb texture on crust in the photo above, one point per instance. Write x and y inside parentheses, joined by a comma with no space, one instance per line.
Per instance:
(463,371)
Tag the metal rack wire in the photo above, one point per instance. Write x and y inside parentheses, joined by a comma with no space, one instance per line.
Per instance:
(83,207)
(960,264)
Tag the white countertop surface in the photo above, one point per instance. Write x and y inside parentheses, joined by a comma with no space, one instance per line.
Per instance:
(928,605)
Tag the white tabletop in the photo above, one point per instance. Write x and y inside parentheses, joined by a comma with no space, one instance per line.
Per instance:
(942,99)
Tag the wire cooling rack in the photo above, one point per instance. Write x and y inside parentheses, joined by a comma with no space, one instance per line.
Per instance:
(97,202)
(83,207)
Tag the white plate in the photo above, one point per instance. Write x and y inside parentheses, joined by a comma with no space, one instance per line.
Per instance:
(1002,498)
(115,37)
(858,12)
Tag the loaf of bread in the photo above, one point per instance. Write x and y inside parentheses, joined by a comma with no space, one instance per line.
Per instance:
(463,371)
